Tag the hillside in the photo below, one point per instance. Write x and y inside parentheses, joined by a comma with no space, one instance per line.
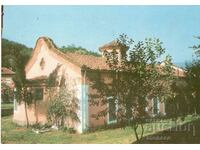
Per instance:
(12,52)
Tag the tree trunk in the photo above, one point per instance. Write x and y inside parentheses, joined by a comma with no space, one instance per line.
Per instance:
(36,114)
(195,111)
(135,126)
(135,131)
(27,121)
(142,131)
(136,134)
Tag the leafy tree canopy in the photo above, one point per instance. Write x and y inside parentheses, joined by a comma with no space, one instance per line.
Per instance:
(136,77)
(196,48)
(12,52)
(193,77)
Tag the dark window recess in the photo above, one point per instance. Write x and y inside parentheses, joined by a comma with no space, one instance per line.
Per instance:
(155,105)
(38,93)
(42,63)
(112,110)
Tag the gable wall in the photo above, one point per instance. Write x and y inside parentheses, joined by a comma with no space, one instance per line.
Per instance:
(33,70)
(51,59)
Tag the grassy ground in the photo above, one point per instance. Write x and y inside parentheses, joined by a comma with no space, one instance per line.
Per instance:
(186,133)
(11,133)
(7,106)
(6,109)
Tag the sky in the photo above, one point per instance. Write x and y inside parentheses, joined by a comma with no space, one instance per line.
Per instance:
(94,26)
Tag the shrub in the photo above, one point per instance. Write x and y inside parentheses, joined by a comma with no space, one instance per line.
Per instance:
(71,130)
(63,105)
(56,112)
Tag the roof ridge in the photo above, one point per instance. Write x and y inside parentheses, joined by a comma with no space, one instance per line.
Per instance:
(77,53)
(5,70)
(52,46)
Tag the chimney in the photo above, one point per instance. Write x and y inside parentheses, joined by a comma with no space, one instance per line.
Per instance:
(114,46)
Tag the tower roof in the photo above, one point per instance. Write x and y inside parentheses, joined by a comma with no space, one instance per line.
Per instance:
(113,45)
(6,71)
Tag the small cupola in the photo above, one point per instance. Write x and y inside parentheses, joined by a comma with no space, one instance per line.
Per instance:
(114,46)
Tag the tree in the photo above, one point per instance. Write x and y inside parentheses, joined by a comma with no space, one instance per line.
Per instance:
(135,78)
(56,110)
(196,48)
(12,51)
(178,104)
(15,56)
(6,93)
(193,78)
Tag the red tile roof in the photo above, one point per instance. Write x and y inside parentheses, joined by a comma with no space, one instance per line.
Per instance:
(92,62)
(6,71)
(89,61)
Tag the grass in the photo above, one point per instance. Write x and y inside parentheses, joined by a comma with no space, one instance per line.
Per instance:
(12,133)
(185,133)
(7,106)
(6,109)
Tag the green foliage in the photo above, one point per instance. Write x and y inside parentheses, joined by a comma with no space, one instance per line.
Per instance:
(181,100)
(193,79)
(79,49)
(71,130)
(6,109)
(15,56)
(135,77)
(7,106)
(63,101)
(13,52)
(63,105)
(6,93)
(196,48)
(52,79)
(193,75)
(56,111)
